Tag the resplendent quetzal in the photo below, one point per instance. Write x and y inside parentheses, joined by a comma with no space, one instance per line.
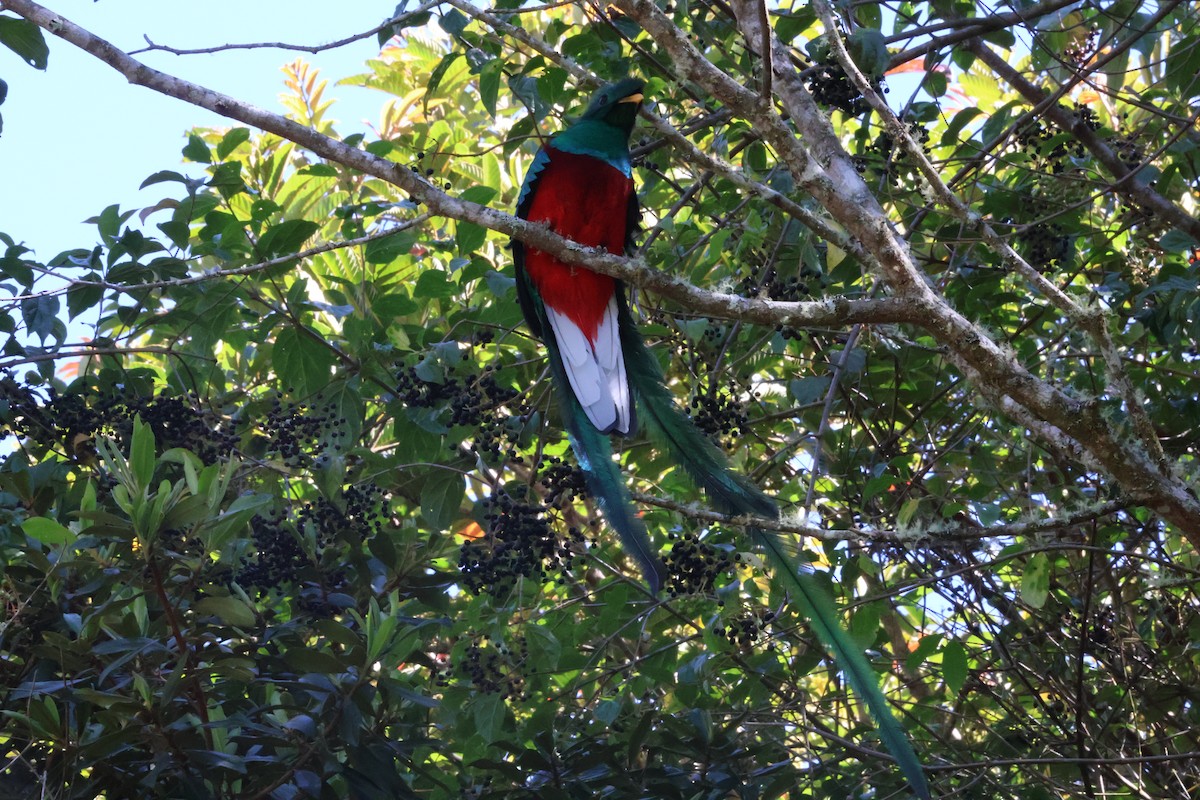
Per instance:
(580,184)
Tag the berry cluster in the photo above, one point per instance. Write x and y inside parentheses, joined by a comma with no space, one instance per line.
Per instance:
(473,402)
(1044,144)
(360,513)
(564,482)
(1046,244)
(72,421)
(777,287)
(1129,149)
(280,558)
(693,566)
(295,431)
(496,669)
(721,413)
(1080,51)
(519,544)
(417,392)
(745,629)
(884,158)
(830,86)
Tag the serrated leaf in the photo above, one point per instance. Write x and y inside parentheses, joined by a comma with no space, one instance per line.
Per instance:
(488,711)
(301,363)
(544,647)
(40,313)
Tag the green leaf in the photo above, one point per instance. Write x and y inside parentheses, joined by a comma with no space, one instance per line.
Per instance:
(469,237)
(489,712)
(954,666)
(935,83)
(864,625)
(607,712)
(40,314)
(869,50)
(163,176)
(286,238)
(217,532)
(1177,241)
(230,610)
(141,453)
(810,389)
(389,248)
(1035,581)
(489,85)
(433,283)
(47,531)
(197,150)
(25,39)
(231,140)
(302,363)
(80,297)
(544,647)
(439,72)
(454,21)
(441,498)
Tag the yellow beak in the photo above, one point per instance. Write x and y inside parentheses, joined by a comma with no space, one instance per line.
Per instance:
(633,98)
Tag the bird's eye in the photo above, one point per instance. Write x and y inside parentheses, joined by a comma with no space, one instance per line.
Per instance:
(603,99)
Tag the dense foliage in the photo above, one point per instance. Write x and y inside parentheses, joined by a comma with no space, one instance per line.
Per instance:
(286,511)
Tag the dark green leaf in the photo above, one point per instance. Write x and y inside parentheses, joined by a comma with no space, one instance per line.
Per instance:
(302,362)
(197,150)
(286,238)
(81,297)
(453,21)
(489,713)
(163,176)
(433,283)
(389,248)
(231,140)
(441,498)
(40,313)
(954,666)
(25,39)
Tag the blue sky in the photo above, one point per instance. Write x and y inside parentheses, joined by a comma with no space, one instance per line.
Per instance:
(78,137)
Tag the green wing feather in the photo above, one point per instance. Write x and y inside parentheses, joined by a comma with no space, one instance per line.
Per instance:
(734,494)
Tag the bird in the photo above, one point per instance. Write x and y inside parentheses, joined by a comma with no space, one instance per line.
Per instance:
(607,381)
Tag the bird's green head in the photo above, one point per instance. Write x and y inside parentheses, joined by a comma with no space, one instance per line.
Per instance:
(617,104)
